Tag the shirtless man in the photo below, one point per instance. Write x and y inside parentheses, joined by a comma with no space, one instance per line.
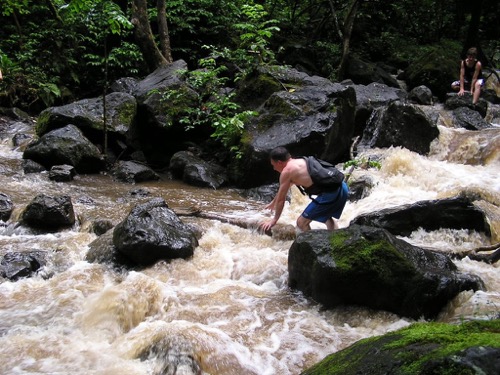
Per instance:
(325,208)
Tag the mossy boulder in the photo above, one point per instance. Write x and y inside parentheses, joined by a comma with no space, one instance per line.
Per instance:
(370,267)
(423,349)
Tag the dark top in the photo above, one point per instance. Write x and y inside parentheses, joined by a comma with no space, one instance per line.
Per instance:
(469,72)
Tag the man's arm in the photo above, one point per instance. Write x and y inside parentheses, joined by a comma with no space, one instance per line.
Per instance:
(279,200)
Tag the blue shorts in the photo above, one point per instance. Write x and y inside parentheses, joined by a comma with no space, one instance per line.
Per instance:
(327,205)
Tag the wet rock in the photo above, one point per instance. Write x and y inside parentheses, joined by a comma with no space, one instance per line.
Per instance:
(265,193)
(17,265)
(6,207)
(66,146)
(455,213)
(454,101)
(197,172)
(360,188)
(101,226)
(87,115)
(62,173)
(421,95)
(133,172)
(369,267)
(49,213)
(30,166)
(470,119)
(400,124)
(152,232)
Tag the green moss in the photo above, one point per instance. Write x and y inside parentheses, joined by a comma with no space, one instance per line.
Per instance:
(408,351)
(42,123)
(448,339)
(378,258)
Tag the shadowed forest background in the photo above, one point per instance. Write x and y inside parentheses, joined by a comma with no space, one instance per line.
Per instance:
(53,52)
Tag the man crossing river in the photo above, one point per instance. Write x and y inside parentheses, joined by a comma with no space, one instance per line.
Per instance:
(325,208)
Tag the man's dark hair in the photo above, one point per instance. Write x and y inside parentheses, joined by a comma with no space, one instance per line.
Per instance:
(279,154)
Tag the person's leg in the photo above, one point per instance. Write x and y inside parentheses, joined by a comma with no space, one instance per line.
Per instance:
(477,93)
(303,224)
(332,224)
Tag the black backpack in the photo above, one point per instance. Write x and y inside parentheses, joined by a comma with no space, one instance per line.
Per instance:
(323,174)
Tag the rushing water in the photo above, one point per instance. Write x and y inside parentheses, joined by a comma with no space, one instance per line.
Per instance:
(229,306)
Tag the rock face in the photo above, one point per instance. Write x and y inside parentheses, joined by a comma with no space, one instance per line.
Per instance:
(422,348)
(370,267)
(66,146)
(152,232)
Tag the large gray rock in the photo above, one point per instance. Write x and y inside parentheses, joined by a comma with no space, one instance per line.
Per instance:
(152,232)
(66,146)
(369,267)
(87,114)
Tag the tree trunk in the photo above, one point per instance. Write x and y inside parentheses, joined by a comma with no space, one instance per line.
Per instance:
(348,26)
(163,31)
(144,36)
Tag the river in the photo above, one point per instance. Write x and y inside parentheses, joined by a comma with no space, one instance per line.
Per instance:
(229,306)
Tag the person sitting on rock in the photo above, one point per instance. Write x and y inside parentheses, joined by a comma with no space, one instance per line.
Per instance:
(470,76)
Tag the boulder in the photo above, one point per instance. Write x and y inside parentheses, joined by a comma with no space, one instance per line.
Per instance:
(6,207)
(66,146)
(454,101)
(152,232)
(30,166)
(469,119)
(420,95)
(370,267)
(88,116)
(133,172)
(400,124)
(197,172)
(422,348)
(454,213)
(17,265)
(299,118)
(62,173)
(49,213)
(370,97)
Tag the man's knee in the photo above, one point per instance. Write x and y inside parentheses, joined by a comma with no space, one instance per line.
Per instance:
(303,223)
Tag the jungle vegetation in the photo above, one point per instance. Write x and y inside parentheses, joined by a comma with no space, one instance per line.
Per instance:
(56,51)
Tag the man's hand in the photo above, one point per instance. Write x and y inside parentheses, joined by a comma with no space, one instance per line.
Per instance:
(461,92)
(267,225)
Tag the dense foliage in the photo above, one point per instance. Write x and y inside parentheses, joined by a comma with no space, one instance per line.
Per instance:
(56,51)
